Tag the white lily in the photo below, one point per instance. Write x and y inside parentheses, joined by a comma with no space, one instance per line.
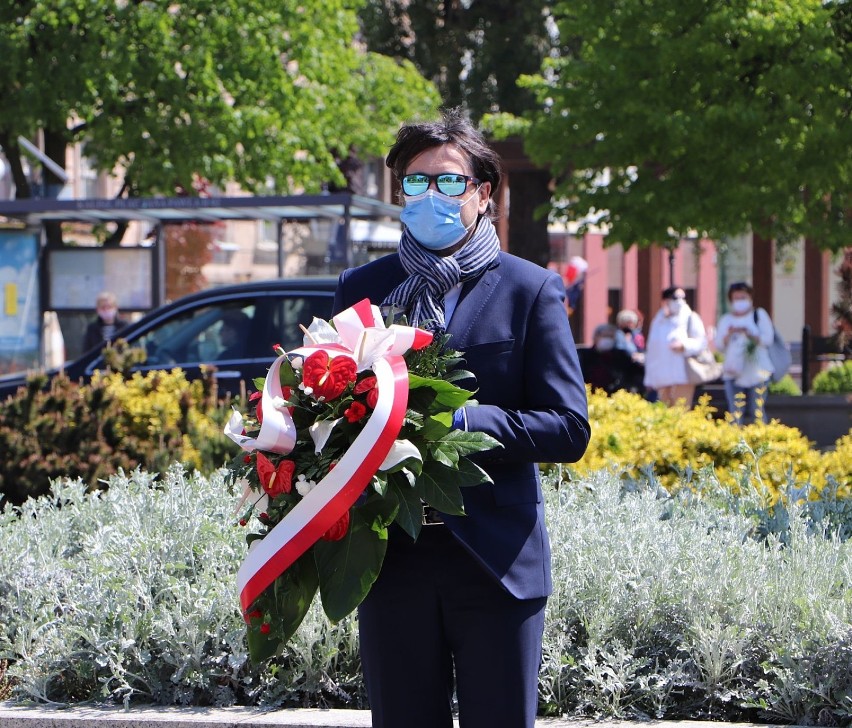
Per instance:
(321,332)
(320,432)
(400,450)
(373,344)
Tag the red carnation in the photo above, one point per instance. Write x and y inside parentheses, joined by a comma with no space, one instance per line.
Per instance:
(328,378)
(338,530)
(355,412)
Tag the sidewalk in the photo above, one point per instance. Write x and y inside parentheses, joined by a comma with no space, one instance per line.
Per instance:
(14,716)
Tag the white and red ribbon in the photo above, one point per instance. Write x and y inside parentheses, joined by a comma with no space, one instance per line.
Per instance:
(363,336)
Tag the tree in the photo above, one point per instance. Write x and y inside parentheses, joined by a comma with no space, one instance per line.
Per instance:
(474,52)
(263,92)
(664,116)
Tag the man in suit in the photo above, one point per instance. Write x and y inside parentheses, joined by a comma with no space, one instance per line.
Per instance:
(467,599)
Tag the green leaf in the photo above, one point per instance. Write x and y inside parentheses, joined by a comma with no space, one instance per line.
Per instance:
(379,483)
(467,443)
(436,426)
(348,568)
(289,598)
(258,383)
(446,394)
(409,516)
(286,375)
(470,473)
(444,453)
(440,486)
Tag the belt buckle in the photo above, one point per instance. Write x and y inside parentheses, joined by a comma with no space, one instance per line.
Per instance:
(431,516)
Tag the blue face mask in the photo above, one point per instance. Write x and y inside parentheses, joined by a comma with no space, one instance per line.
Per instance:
(434,219)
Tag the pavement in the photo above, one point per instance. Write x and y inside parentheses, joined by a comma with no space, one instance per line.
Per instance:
(23,716)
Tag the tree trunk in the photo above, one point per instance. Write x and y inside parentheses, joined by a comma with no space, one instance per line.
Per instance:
(55,144)
(528,238)
(13,156)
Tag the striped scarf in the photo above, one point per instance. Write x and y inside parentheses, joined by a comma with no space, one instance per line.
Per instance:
(430,276)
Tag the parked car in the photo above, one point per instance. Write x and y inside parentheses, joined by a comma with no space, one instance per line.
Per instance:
(232,328)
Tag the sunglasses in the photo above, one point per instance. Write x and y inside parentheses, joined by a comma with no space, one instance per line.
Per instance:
(448,183)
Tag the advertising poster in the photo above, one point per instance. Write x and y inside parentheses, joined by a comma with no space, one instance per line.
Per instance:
(20,320)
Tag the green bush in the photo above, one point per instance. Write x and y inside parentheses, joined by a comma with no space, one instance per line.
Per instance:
(701,605)
(61,428)
(834,380)
(786,385)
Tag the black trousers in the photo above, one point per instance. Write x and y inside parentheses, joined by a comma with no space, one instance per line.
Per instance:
(435,613)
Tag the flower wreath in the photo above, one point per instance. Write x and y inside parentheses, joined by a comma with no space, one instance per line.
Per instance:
(352,432)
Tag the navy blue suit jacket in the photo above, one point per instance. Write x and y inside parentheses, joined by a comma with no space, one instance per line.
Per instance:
(512,326)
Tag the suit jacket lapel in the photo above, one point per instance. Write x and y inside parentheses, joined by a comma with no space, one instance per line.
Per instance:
(473,300)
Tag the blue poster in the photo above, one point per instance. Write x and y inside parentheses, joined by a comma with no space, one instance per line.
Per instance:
(20,319)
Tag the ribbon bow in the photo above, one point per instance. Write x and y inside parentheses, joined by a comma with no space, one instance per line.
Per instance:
(359,333)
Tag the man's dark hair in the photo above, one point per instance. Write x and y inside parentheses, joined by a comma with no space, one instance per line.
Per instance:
(452,128)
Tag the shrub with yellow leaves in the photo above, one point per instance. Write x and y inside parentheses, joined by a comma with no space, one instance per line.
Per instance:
(633,436)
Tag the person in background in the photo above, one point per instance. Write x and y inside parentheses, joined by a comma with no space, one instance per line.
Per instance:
(629,333)
(232,335)
(607,367)
(471,590)
(103,329)
(744,334)
(676,332)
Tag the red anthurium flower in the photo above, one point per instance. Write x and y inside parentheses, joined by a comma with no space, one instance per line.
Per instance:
(258,410)
(338,530)
(255,614)
(328,378)
(355,412)
(365,385)
(368,385)
(373,397)
(275,481)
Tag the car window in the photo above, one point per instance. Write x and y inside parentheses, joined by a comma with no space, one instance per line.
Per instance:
(286,314)
(203,335)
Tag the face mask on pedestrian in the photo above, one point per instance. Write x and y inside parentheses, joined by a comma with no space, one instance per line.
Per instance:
(434,219)
(741,305)
(675,306)
(605,344)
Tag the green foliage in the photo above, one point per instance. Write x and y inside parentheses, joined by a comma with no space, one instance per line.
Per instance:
(672,444)
(473,52)
(258,92)
(834,380)
(785,385)
(93,431)
(667,116)
(664,607)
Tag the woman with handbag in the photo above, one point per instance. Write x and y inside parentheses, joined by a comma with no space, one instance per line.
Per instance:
(744,334)
(676,332)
